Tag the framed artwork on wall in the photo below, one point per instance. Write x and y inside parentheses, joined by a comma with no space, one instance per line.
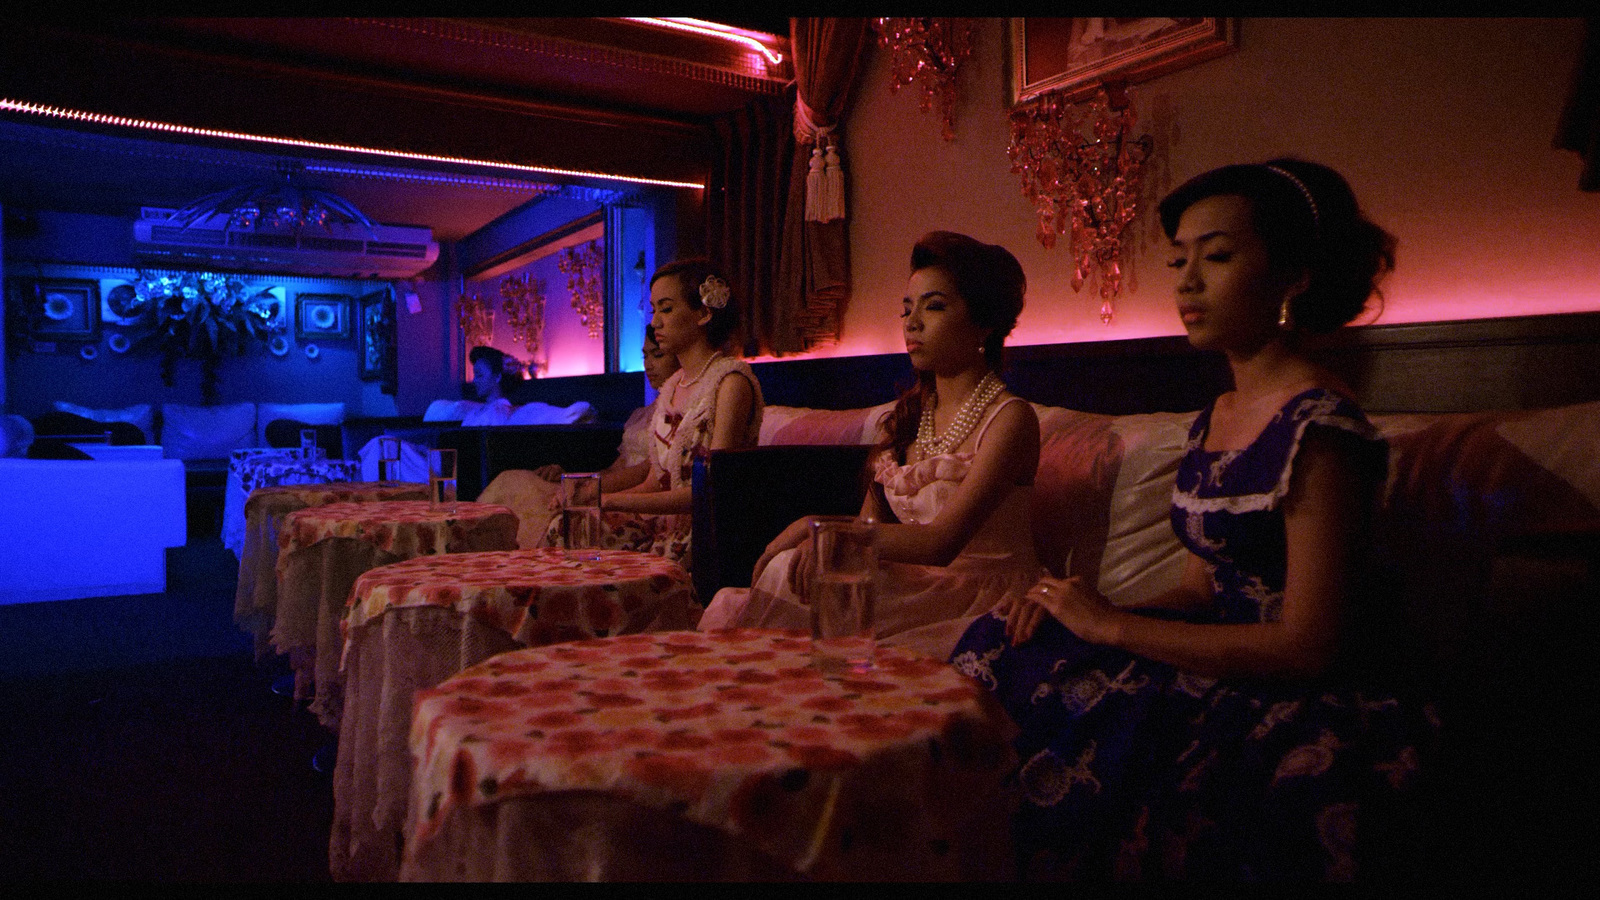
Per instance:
(64,309)
(1076,55)
(376,346)
(322,317)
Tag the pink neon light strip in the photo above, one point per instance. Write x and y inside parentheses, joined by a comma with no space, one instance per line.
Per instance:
(9,105)
(712,29)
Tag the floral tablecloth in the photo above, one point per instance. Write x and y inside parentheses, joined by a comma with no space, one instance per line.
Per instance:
(412,624)
(729,740)
(255,600)
(322,550)
(261,466)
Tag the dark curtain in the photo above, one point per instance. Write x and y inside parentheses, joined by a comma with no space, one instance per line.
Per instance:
(813,276)
(1579,128)
(748,195)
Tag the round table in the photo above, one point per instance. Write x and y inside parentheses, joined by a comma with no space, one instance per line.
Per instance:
(257,467)
(412,624)
(719,755)
(255,601)
(323,549)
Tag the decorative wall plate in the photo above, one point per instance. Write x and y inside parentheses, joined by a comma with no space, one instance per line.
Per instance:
(118,342)
(279,345)
(312,352)
(88,351)
(121,305)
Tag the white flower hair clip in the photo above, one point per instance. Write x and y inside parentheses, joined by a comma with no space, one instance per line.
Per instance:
(714,292)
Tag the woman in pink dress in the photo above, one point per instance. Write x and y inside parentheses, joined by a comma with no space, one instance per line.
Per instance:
(712,402)
(952,473)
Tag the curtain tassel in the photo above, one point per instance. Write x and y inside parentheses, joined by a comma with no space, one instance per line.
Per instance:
(814,188)
(832,185)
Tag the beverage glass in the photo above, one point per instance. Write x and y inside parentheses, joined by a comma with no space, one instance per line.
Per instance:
(842,594)
(580,514)
(442,479)
(388,458)
(308,443)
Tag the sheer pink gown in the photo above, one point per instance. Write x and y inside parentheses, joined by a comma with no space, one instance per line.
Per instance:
(922,608)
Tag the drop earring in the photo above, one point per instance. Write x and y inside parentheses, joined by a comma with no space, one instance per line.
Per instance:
(1283,316)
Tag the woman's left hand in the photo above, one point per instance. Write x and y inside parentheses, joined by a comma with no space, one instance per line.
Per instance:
(1072,602)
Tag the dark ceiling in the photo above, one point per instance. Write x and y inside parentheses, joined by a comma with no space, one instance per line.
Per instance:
(46,165)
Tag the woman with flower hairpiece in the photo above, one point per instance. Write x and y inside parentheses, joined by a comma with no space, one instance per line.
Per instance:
(953,471)
(713,402)
(1241,725)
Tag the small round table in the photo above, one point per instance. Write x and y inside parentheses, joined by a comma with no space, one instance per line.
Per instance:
(323,549)
(412,624)
(718,755)
(263,466)
(255,601)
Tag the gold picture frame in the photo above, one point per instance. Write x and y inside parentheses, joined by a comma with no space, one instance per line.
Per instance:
(1077,55)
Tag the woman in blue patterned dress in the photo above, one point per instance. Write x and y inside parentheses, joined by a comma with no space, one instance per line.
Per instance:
(1229,728)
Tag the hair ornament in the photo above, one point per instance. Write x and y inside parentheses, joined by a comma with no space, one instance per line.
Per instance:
(1316,220)
(714,292)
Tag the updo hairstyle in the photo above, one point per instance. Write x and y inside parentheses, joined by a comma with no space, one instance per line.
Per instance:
(692,273)
(1308,217)
(992,282)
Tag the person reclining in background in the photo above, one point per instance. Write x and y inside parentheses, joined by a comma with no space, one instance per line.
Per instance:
(491,382)
(531,494)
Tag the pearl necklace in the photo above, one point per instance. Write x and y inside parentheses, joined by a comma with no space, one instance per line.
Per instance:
(688,381)
(966,419)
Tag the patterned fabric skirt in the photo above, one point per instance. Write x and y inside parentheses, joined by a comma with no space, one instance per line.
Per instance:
(1133,770)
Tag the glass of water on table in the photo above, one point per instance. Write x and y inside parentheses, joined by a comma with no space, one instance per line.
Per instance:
(442,479)
(580,514)
(843,592)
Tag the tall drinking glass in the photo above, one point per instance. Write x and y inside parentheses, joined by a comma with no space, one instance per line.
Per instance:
(843,593)
(442,479)
(388,458)
(308,443)
(580,514)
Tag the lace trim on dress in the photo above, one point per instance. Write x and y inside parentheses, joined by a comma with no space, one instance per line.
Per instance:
(695,427)
(1314,407)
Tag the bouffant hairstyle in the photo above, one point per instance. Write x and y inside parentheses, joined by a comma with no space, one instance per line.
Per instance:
(509,377)
(692,273)
(1308,218)
(992,282)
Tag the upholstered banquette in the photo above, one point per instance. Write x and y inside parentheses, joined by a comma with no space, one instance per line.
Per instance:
(1489,532)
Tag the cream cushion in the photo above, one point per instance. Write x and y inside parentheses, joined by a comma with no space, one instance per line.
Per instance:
(1143,556)
(140,414)
(206,432)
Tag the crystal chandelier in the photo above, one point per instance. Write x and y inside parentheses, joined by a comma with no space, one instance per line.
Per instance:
(475,315)
(928,50)
(281,203)
(1084,185)
(522,299)
(583,267)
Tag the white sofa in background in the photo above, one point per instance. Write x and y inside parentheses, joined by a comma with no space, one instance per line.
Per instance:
(88,528)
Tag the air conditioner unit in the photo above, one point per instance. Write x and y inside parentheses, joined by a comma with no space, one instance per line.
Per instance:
(339,250)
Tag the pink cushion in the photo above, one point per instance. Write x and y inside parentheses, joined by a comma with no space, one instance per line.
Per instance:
(1494,473)
(1079,455)
(799,425)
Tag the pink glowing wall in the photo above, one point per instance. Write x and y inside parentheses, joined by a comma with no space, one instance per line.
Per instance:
(1443,126)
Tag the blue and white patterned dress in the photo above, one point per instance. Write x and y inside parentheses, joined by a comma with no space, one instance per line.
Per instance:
(1132,769)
